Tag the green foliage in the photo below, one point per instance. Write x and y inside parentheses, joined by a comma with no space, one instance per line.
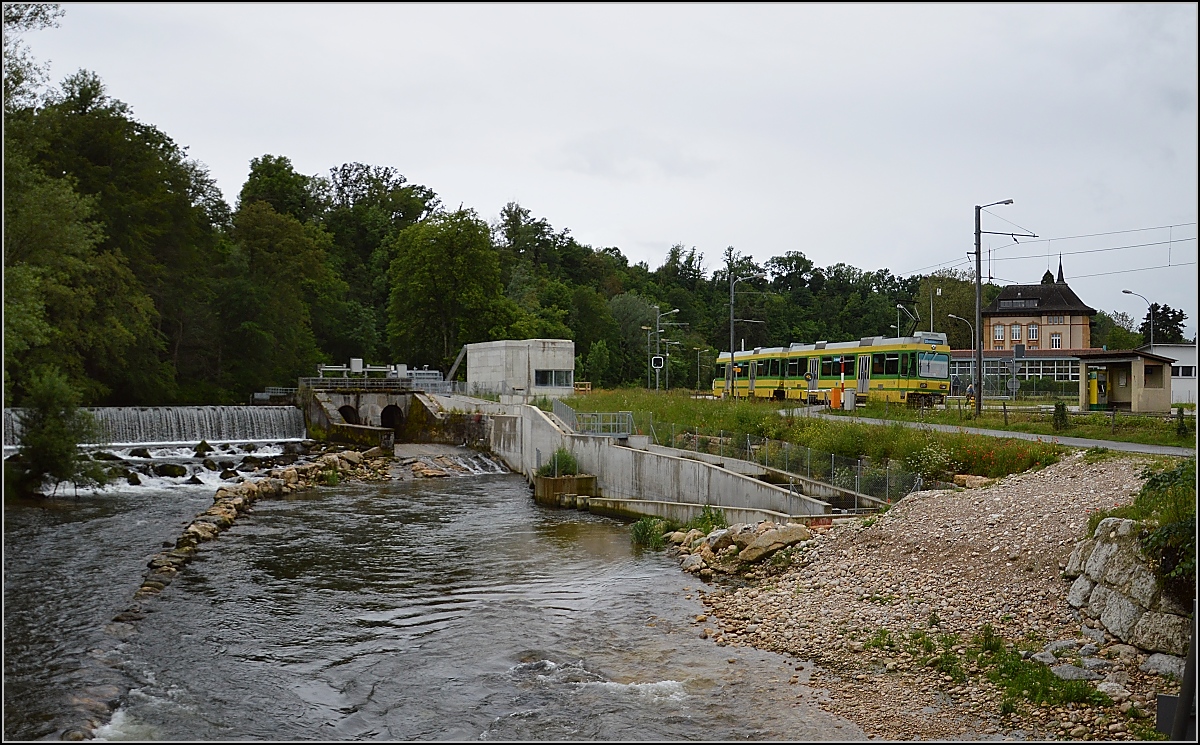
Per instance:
(648,533)
(1097,454)
(330,477)
(710,519)
(1060,416)
(51,429)
(561,463)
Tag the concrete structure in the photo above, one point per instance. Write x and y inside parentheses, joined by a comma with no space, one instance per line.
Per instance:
(1131,380)
(1183,369)
(522,370)
(635,478)
(1043,316)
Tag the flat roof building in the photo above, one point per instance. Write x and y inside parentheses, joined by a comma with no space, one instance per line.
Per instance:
(522,369)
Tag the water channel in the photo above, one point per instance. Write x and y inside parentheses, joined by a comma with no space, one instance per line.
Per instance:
(429,609)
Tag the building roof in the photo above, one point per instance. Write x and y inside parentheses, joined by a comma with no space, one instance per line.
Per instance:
(1090,355)
(1051,296)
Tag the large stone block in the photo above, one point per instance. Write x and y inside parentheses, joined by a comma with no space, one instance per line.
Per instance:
(774,540)
(1079,557)
(1162,632)
(1080,591)
(1120,615)
(1142,586)
(1098,601)
(1097,562)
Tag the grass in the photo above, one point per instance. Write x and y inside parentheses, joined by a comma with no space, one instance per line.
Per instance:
(707,521)
(918,450)
(561,463)
(1097,425)
(648,533)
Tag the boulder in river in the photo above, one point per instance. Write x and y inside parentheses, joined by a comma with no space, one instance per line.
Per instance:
(139,453)
(173,470)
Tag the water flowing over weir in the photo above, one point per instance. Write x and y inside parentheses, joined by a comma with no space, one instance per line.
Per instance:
(167,425)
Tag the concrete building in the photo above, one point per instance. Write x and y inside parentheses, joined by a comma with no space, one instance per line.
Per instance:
(1183,369)
(521,370)
(1043,316)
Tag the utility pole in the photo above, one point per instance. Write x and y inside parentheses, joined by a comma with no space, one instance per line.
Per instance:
(979,300)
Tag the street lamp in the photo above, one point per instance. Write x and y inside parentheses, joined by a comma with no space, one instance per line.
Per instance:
(658,336)
(1151,309)
(960,318)
(697,350)
(733,283)
(979,300)
(647,329)
(668,344)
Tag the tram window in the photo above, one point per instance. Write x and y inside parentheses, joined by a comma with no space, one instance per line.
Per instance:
(849,360)
(762,369)
(826,367)
(891,365)
(793,368)
(877,364)
(904,361)
(721,370)
(774,369)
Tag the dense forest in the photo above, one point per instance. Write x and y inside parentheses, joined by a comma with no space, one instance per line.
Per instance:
(126,270)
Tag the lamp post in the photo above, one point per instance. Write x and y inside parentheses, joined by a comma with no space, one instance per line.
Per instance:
(732,368)
(667,364)
(658,336)
(979,300)
(972,328)
(939,292)
(647,329)
(697,350)
(1149,307)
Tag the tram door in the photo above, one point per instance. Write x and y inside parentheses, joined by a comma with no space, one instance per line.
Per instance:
(753,365)
(864,373)
(814,368)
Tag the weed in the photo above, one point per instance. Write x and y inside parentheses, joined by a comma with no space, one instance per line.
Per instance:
(987,640)
(648,533)
(1095,455)
(881,639)
(561,463)
(934,621)
(330,477)
(708,520)
(1060,416)
(1008,706)
(1034,681)
(921,642)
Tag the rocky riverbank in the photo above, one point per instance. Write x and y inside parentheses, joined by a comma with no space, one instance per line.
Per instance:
(947,616)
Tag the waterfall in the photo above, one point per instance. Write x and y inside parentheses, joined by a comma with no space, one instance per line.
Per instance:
(180,425)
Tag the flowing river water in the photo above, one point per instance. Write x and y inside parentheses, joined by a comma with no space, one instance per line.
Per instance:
(448,608)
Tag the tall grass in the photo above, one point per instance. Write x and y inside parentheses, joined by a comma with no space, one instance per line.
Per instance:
(965,453)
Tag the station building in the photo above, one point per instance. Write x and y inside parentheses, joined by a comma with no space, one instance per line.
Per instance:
(522,369)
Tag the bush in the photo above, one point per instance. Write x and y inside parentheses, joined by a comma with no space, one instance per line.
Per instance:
(708,520)
(1060,416)
(561,463)
(648,532)
(51,430)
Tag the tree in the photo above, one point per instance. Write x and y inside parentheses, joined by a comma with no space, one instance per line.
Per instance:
(52,428)
(273,180)
(22,75)
(445,289)
(596,366)
(1168,324)
(1114,330)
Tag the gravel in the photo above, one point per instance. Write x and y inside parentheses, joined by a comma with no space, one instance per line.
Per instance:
(944,562)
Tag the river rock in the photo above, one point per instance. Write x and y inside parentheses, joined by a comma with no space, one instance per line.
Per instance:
(139,453)
(353,457)
(1080,592)
(209,464)
(133,479)
(1046,658)
(719,540)
(1071,672)
(1164,664)
(376,452)
(691,563)
(105,455)
(228,474)
(172,470)
(1116,691)
(203,448)
(194,480)
(773,540)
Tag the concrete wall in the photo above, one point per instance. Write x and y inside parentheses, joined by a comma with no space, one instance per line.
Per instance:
(508,366)
(1183,388)
(324,422)
(633,481)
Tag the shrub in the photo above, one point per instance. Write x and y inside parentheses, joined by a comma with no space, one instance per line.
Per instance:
(1060,416)
(648,532)
(561,463)
(51,430)
(708,520)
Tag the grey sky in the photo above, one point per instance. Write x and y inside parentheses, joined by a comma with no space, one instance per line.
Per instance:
(862,134)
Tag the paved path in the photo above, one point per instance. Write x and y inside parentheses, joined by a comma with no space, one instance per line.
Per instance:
(1075,442)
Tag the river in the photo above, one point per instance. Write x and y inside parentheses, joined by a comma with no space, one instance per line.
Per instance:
(452,609)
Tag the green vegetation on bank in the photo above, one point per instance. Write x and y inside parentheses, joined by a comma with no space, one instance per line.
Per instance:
(1031,419)
(561,463)
(1166,507)
(648,532)
(935,456)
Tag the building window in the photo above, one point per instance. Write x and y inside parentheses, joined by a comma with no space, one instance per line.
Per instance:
(1016,332)
(1054,320)
(1056,341)
(1033,329)
(1153,376)
(998,332)
(553,378)
(1183,371)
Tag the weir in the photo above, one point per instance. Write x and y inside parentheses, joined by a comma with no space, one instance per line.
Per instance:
(182,425)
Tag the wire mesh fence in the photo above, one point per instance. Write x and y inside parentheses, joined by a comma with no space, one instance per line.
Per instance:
(883,480)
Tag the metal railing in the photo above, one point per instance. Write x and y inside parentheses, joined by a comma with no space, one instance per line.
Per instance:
(864,475)
(601,423)
(393,385)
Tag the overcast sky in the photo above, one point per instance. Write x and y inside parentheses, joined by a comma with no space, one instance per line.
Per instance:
(862,134)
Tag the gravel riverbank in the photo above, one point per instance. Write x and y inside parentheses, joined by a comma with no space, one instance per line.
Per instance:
(887,609)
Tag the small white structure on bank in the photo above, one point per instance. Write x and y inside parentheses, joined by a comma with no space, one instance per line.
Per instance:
(1183,369)
(523,369)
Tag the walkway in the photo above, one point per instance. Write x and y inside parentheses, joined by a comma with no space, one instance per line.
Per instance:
(1075,442)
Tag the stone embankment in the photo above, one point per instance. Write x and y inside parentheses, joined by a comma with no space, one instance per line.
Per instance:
(884,616)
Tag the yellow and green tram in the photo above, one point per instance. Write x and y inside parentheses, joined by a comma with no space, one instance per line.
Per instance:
(913,369)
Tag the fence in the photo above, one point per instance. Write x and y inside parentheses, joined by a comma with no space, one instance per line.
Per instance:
(395,385)
(603,423)
(864,475)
